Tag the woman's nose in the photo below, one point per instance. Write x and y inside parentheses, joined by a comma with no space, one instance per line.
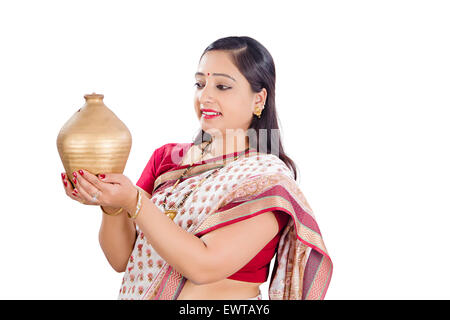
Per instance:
(206,95)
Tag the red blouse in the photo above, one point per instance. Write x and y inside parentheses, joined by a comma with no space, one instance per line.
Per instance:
(257,270)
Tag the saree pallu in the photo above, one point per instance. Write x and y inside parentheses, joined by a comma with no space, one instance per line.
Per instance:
(253,184)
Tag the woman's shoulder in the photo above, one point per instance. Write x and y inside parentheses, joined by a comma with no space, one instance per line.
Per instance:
(173,150)
(164,158)
(268,163)
(173,145)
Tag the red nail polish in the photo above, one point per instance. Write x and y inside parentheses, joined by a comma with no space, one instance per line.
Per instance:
(81,172)
(74,194)
(65,183)
(74,173)
(75,190)
(63,176)
(101,176)
(75,180)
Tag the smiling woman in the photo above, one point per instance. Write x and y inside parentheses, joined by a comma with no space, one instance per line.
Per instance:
(206,217)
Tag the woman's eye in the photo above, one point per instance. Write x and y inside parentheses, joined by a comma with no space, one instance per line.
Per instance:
(220,86)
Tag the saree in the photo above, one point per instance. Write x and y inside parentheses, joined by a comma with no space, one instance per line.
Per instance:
(251,185)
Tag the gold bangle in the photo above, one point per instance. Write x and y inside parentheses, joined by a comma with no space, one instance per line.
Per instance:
(112,214)
(138,206)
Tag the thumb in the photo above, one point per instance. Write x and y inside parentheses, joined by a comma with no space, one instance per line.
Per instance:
(110,177)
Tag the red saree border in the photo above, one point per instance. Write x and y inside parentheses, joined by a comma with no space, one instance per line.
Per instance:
(171,285)
(322,275)
(275,198)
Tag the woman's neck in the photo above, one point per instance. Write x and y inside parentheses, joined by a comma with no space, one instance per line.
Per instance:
(216,149)
(222,146)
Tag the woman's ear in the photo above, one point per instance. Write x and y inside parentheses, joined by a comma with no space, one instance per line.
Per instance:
(261,97)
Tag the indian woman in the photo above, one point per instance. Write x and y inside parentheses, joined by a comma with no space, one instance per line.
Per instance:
(206,217)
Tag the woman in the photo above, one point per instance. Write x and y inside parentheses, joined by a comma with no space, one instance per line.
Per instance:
(205,218)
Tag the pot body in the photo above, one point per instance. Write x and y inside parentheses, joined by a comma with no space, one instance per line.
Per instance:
(94,139)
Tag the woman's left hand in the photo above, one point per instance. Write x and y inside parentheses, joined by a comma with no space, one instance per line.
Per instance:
(111,189)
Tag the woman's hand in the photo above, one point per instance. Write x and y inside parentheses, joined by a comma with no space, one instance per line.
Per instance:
(111,189)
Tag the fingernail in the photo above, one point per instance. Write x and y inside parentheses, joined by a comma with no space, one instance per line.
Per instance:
(75,180)
(74,173)
(101,176)
(63,176)
(75,190)
(81,172)
(65,183)
(74,194)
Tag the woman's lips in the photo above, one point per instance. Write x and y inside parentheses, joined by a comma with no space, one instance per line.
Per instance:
(206,116)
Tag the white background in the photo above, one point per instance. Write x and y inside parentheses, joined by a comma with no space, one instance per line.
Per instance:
(362,95)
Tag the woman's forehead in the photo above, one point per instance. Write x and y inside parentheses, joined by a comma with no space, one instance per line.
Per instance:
(217,63)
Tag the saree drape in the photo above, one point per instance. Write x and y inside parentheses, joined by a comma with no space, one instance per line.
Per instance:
(253,184)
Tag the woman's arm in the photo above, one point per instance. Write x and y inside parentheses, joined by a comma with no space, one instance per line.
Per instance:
(215,255)
(117,236)
(118,233)
(231,247)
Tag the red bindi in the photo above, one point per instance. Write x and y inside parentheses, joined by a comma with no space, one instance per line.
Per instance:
(208,73)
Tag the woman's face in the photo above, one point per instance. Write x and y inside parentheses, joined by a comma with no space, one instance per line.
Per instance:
(222,88)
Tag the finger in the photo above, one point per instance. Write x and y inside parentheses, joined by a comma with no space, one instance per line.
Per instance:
(89,188)
(83,195)
(111,177)
(76,196)
(84,184)
(92,179)
(86,190)
(77,191)
(68,187)
(64,179)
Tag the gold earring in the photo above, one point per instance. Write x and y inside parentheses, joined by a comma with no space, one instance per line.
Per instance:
(258,111)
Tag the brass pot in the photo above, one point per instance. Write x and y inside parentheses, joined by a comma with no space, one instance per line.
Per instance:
(95,139)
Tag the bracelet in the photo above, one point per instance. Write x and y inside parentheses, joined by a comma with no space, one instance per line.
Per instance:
(112,214)
(138,206)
